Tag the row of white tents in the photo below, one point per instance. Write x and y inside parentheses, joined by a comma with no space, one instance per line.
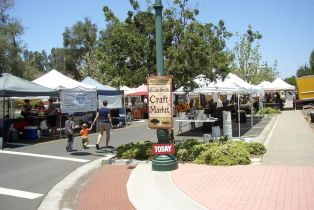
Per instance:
(80,96)
(234,84)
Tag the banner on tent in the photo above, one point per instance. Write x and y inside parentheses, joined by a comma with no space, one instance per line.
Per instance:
(78,101)
(160,101)
(113,101)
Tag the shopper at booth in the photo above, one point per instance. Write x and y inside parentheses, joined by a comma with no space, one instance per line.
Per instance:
(26,109)
(52,117)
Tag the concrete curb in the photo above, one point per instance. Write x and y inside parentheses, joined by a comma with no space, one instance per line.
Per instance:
(274,125)
(264,135)
(54,198)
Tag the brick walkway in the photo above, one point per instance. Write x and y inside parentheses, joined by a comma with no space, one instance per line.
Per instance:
(248,187)
(106,189)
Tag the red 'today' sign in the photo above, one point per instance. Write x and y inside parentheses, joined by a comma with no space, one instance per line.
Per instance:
(161,149)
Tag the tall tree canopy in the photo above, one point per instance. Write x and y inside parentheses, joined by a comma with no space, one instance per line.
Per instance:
(78,41)
(10,43)
(248,64)
(307,69)
(127,48)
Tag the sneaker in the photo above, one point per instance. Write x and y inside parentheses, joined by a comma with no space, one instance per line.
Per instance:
(84,146)
(97,146)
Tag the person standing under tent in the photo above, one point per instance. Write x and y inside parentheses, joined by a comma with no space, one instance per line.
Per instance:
(41,110)
(52,117)
(26,109)
(104,124)
(192,112)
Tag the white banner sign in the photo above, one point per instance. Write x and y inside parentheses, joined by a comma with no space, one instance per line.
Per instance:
(78,100)
(113,101)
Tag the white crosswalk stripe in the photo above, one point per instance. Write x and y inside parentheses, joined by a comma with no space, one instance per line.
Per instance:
(19,193)
(45,156)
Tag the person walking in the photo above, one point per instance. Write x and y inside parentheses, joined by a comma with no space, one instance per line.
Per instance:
(69,131)
(84,133)
(104,124)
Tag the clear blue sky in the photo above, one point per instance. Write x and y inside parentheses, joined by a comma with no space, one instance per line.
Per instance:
(286,25)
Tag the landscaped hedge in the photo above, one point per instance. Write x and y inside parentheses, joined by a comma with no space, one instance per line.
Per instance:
(138,150)
(269,110)
(222,152)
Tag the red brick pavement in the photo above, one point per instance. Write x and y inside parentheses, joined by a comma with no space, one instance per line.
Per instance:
(248,187)
(106,189)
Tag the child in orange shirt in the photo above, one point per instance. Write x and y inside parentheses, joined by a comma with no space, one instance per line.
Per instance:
(84,133)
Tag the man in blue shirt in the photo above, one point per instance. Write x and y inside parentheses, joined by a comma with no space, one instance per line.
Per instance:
(104,124)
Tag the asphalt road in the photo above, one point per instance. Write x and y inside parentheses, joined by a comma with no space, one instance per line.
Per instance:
(32,170)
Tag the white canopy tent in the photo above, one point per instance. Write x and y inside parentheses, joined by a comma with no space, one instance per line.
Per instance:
(278,85)
(263,84)
(56,80)
(231,85)
(127,90)
(75,96)
(243,86)
(207,86)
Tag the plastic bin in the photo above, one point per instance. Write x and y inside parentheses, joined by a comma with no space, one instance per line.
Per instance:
(30,132)
(216,132)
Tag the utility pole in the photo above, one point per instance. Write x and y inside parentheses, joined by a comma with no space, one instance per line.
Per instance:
(165,162)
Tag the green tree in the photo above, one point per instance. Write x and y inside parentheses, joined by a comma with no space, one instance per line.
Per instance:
(304,71)
(56,59)
(307,69)
(10,43)
(312,60)
(78,41)
(127,48)
(291,80)
(248,59)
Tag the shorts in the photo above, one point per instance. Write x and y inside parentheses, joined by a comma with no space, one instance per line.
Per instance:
(84,140)
(103,126)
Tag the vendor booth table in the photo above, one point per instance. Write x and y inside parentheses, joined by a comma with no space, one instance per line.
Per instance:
(12,86)
(187,122)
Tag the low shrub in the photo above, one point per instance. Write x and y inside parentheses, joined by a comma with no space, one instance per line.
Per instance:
(138,150)
(187,144)
(256,148)
(269,110)
(230,153)
(222,152)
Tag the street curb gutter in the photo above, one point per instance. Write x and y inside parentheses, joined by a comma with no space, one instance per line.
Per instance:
(265,134)
(274,125)
(53,200)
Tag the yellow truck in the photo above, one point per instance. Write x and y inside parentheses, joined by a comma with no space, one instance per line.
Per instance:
(306,88)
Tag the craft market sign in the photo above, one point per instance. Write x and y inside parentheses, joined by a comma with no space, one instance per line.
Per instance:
(160,101)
